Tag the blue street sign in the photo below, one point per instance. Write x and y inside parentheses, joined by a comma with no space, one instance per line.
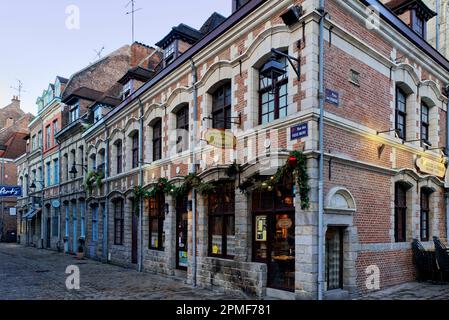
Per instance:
(299,131)
(10,191)
(332,97)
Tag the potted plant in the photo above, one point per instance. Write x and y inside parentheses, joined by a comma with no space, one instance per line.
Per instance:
(80,251)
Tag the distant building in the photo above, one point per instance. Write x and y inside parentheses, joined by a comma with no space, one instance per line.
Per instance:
(13,132)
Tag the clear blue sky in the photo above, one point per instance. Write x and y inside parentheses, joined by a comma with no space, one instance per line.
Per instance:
(36,45)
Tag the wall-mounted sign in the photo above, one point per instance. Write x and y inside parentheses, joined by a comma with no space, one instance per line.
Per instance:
(284,223)
(431,167)
(12,211)
(10,191)
(299,131)
(333,97)
(223,139)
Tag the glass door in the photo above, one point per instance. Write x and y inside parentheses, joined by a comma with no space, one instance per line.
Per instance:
(181,234)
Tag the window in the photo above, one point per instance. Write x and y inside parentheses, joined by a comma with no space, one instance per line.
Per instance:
(55,222)
(425,210)
(48,137)
(135,150)
(56,170)
(182,127)
(55,128)
(93,159)
(400,209)
(222,222)
(39,139)
(424,123)
(74,113)
(119,157)
(157,141)
(34,143)
(419,24)
(156,222)
(221,107)
(170,53)
(401,107)
(127,89)
(273,97)
(98,113)
(48,174)
(67,169)
(334,258)
(118,222)
(73,156)
(95,223)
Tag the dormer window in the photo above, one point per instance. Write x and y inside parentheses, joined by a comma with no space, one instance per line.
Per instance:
(169,53)
(74,113)
(127,89)
(418,24)
(98,113)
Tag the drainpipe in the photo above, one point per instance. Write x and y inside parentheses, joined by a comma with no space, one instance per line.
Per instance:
(193,167)
(321,161)
(437,26)
(106,206)
(446,193)
(140,251)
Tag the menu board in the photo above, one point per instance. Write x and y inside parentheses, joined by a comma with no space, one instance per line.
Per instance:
(261,228)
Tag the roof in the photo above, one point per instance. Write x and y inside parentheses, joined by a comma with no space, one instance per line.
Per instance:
(84,93)
(181,32)
(137,73)
(62,79)
(400,6)
(214,21)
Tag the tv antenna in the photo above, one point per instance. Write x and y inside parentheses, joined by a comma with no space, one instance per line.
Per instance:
(99,52)
(133,10)
(19,88)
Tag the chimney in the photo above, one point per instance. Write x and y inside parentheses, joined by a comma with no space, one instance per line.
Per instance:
(237,4)
(15,101)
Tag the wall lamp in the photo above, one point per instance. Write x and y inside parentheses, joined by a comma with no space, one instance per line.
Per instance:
(33,184)
(74,172)
(426,143)
(396,131)
(444,151)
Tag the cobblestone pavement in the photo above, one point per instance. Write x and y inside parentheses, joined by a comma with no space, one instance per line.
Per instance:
(30,274)
(412,291)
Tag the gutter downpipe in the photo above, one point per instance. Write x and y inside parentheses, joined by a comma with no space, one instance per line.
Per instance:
(193,167)
(446,193)
(437,26)
(140,251)
(321,146)
(106,205)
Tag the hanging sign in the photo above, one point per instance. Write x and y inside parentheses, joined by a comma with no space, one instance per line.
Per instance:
(284,223)
(223,139)
(299,131)
(10,191)
(431,167)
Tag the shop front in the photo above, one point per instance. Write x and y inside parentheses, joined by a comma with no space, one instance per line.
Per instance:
(182,233)
(274,234)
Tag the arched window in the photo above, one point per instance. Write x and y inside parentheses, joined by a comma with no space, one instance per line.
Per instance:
(221,107)
(273,96)
(157,140)
(135,150)
(119,156)
(425,122)
(401,113)
(182,127)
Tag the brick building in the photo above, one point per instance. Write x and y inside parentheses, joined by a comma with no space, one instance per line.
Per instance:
(13,131)
(182,174)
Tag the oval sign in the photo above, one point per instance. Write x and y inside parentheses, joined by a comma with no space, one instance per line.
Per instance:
(223,139)
(284,223)
(56,203)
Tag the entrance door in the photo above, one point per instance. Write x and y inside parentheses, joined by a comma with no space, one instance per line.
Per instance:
(75,236)
(274,235)
(48,229)
(135,224)
(181,234)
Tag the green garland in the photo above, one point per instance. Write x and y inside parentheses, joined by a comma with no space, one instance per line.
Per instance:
(93,177)
(296,165)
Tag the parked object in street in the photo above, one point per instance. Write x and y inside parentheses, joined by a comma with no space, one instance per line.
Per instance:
(442,257)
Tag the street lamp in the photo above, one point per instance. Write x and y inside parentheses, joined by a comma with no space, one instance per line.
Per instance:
(74,171)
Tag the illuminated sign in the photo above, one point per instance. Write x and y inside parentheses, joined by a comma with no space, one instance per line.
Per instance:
(223,139)
(431,167)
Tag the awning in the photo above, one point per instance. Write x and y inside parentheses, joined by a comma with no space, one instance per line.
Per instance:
(31,214)
(26,215)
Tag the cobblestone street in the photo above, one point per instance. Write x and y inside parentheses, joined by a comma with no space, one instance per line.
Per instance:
(412,291)
(29,273)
